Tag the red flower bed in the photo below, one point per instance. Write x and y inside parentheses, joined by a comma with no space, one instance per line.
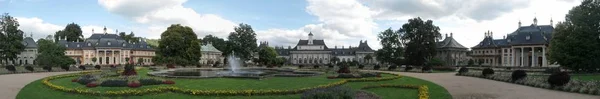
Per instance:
(170,82)
(134,85)
(170,66)
(91,85)
(379,75)
(74,80)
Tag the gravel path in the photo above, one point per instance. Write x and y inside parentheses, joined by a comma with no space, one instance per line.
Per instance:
(11,84)
(461,87)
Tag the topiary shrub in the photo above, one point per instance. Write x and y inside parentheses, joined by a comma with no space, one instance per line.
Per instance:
(300,66)
(10,68)
(559,79)
(376,67)
(129,70)
(114,83)
(371,74)
(463,70)
(97,67)
(552,70)
(316,67)
(426,69)
(85,79)
(393,67)
(48,68)
(65,67)
(82,67)
(408,68)
(344,69)
(518,75)
(361,66)
(29,68)
(487,71)
(330,65)
(337,92)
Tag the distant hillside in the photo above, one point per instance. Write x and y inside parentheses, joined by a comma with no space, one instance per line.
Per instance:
(152,42)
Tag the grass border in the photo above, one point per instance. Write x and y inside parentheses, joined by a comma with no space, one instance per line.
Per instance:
(250,92)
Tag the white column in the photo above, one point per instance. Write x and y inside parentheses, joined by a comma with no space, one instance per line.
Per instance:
(543,56)
(105,54)
(521,58)
(533,58)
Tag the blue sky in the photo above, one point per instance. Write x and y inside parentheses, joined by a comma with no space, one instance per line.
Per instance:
(284,22)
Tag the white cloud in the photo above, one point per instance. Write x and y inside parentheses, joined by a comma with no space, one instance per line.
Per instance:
(37,27)
(341,23)
(87,30)
(161,13)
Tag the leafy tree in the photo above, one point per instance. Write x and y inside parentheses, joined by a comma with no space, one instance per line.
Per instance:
(140,61)
(420,37)
(178,45)
(335,59)
(96,59)
(267,55)
(10,38)
(72,32)
(575,42)
(392,50)
(435,62)
(52,54)
(471,62)
(368,58)
(480,62)
(129,37)
(243,41)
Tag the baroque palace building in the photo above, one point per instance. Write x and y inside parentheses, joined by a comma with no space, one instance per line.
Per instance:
(315,52)
(27,56)
(451,52)
(108,49)
(525,47)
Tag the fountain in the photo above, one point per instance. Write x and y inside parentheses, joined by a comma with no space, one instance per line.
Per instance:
(233,62)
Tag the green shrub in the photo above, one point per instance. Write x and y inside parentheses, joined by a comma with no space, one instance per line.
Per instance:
(559,79)
(48,68)
(114,83)
(300,66)
(463,70)
(97,67)
(29,68)
(361,66)
(376,67)
(65,67)
(330,65)
(85,79)
(344,69)
(552,70)
(518,75)
(10,68)
(82,67)
(426,69)
(393,67)
(408,68)
(337,92)
(487,71)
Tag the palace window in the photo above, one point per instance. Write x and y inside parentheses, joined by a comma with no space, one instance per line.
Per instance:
(108,43)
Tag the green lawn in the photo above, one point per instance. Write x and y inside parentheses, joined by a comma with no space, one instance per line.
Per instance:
(586,77)
(36,90)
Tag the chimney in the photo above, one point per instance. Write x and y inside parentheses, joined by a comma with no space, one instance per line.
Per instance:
(289,47)
(446,36)
(92,30)
(504,37)
(342,47)
(335,47)
(450,34)
(551,22)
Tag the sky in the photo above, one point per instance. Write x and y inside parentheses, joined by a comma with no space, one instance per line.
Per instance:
(284,22)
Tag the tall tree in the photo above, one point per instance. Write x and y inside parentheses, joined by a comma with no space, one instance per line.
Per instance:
(392,50)
(10,38)
(420,37)
(267,55)
(52,54)
(218,43)
(180,45)
(243,41)
(72,32)
(129,37)
(575,42)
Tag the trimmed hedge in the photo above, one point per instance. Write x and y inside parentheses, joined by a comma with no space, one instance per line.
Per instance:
(10,68)
(518,75)
(408,68)
(337,92)
(463,70)
(487,71)
(29,68)
(559,79)
(114,83)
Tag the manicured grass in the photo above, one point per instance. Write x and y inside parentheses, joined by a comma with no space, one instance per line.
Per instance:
(586,77)
(36,90)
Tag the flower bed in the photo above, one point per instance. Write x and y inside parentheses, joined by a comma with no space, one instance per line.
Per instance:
(577,86)
(423,89)
(250,92)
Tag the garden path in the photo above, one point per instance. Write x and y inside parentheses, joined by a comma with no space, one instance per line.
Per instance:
(461,87)
(11,84)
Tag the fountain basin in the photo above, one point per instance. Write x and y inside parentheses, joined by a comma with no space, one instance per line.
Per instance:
(257,73)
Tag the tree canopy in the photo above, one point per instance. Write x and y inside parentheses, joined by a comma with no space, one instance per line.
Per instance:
(392,50)
(218,43)
(575,42)
(52,54)
(420,40)
(267,56)
(72,32)
(10,38)
(243,41)
(178,45)
(129,37)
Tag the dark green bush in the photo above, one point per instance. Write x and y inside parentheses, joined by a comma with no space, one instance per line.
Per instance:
(552,70)
(82,67)
(487,71)
(559,79)
(316,66)
(85,79)
(337,92)
(344,69)
(444,68)
(97,67)
(114,83)
(376,67)
(408,68)
(48,68)
(392,67)
(518,75)
(348,75)
(150,81)
(463,70)
(10,68)
(361,66)
(330,65)
(300,66)
(65,67)
(371,74)
(426,69)
(29,68)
